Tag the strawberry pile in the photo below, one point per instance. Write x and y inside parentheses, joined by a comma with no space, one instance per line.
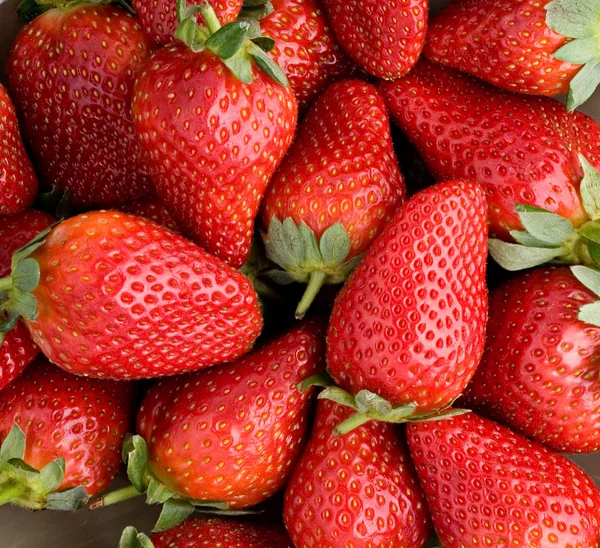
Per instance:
(245,259)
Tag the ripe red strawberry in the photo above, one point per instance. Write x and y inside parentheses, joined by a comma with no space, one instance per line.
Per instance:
(227,435)
(212,153)
(355,490)
(522,46)
(18,182)
(409,324)
(123,298)
(384,38)
(79,421)
(71,74)
(154,210)
(538,373)
(17,350)
(335,190)
(486,486)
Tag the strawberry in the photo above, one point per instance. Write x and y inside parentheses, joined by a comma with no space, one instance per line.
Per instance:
(524,46)
(335,190)
(18,182)
(211,154)
(154,210)
(17,351)
(68,427)
(227,435)
(408,327)
(538,373)
(384,38)
(122,298)
(71,74)
(486,486)
(356,490)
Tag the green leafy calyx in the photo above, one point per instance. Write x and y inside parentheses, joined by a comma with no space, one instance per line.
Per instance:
(130,538)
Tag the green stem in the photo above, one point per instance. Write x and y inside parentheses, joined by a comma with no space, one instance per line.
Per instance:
(10,491)
(316,281)
(356,420)
(210,17)
(115,497)
(6,283)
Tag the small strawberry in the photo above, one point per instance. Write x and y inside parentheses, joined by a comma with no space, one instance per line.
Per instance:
(524,46)
(71,73)
(228,435)
(105,294)
(18,182)
(384,38)
(356,490)
(335,190)
(17,351)
(408,327)
(154,210)
(67,427)
(214,129)
(486,486)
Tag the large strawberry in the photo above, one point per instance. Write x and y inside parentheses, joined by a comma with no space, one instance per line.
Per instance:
(215,128)
(486,486)
(71,73)
(384,38)
(335,190)
(524,46)
(69,428)
(407,330)
(122,298)
(358,490)
(18,182)
(228,435)
(152,208)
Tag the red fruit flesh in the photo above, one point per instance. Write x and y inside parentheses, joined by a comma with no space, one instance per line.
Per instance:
(232,434)
(211,153)
(152,209)
(71,74)
(82,420)
(354,491)
(409,324)
(539,372)
(486,486)
(122,298)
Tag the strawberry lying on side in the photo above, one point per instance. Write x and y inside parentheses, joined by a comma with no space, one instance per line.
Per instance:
(335,190)
(486,486)
(407,330)
(71,74)
(18,182)
(523,46)
(152,209)
(227,436)
(62,436)
(211,153)
(105,294)
(356,490)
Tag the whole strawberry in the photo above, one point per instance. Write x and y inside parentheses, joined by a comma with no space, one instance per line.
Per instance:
(67,427)
(407,330)
(357,490)
(71,73)
(120,297)
(486,486)
(524,46)
(335,190)
(152,209)
(214,128)
(18,182)
(384,38)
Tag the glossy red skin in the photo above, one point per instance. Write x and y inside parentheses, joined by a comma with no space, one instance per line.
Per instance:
(384,38)
(212,153)
(354,491)
(233,433)
(16,352)
(506,43)
(519,148)
(154,210)
(487,486)
(203,533)
(340,168)
(538,374)
(71,74)
(18,182)
(82,420)
(159,17)
(409,324)
(122,298)
(305,48)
